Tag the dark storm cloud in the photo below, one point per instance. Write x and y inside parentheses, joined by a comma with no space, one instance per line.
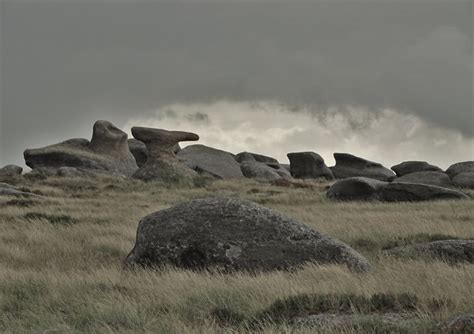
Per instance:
(66,64)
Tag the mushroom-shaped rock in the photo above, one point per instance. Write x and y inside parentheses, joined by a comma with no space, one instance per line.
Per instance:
(308,165)
(464,180)
(348,165)
(107,152)
(439,179)
(247,156)
(207,160)
(259,170)
(409,167)
(162,163)
(460,167)
(231,234)
(453,251)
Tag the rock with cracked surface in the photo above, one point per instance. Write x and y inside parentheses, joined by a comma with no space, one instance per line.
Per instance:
(140,151)
(308,165)
(408,167)
(106,152)
(348,165)
(162,163)
(231,234)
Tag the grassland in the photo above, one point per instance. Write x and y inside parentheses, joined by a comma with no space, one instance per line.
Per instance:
(61,259)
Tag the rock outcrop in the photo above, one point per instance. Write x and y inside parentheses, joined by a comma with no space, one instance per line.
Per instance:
(308,165)
(460,167)
(10,173)
(348,165)
(464,180)
(162,163)
(140,152)
(247,156)
(9,190)
(210,161)
(231,234)
(409,167)
(107,152)
(452,251)
(258,170)
(439,179)
(361,188)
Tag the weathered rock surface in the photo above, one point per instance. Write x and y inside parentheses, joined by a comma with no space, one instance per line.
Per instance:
(232,234)
(460,167)
(409,167)
(9,190)
(11,170)
(140,151)
(247,156)
(348,165)
(207,160)
(162,163)
(361,188)
(280,169)
(107,152)
(464,180)
(439,179)
(463,324)
(308,165)
(452,251)
(258,170)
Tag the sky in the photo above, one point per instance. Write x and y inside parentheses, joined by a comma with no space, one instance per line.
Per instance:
(387,80)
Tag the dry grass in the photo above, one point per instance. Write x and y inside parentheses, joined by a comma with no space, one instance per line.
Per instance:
(61,259)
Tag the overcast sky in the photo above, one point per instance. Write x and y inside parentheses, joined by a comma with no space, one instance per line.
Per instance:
(386,80)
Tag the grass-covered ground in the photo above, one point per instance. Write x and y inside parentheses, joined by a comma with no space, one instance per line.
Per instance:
(61,263)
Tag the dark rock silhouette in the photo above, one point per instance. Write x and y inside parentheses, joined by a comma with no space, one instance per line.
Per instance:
(247,156)
(439,179)
(308,165)
(460,167)
(231,234)
(356,188)
(107,152)
(348,165)
(210,161)
(162,163)
(464,180)
(409,167)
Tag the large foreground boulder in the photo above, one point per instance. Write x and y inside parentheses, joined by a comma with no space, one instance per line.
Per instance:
(348,165)
(308,165)
(409,167)
(464,180)
(439,179)
(107,152)
(162,163)
(460,167)
(207,160)
(360,188)
(231,234)
(453,251)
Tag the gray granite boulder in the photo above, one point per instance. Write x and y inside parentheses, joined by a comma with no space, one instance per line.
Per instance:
(258,170)
(207,160)
(107,152)
(140,151)
(247,156)
(439,179)
(10,173)
(348,165)
(409,167)
(460,167)
(231,234)
(9,190)
(356,188)
(162,163)
(308,165)
(464,180)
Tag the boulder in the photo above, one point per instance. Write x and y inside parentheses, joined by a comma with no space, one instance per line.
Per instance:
(463,324)
(162,163)
(107,152)
(73,172)
(460,167)
(452,251)
(140,152)
(280,169)
(361,188)
(409,167)
(348,165)
(254,169)
(11,170)
(9,190)
(439,179)
(464,180)
(308,165)
(231,234)
(247,156)
(207,160)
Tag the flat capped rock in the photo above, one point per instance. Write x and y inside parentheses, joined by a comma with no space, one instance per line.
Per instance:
(308,165)
(409,167)
(464,180)
(439,179)
(211,161)
(232,234)
(107,152)
(460,167)
(348,165)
